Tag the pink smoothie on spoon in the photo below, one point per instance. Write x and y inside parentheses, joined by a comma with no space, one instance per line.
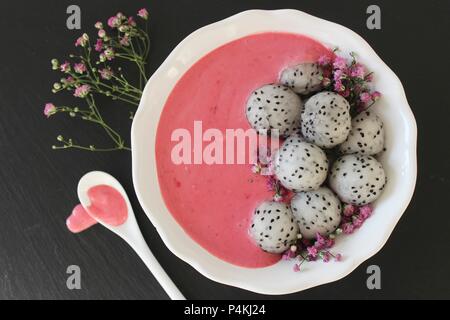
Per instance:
(214,202)
(107,205)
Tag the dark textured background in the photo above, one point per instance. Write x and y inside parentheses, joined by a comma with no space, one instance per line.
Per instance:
(37,185)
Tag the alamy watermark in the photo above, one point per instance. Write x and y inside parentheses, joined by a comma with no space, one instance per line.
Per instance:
(73,281)
(374,20)
(374,280)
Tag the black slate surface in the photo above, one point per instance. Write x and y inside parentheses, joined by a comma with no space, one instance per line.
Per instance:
(38,185)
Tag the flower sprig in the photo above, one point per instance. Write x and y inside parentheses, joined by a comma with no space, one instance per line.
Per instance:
(94,71)
(350,79)
(306,250)
(312,250)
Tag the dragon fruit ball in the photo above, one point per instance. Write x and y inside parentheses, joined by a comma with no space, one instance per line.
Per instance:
(326,120)
(276,108)
(357,179)
(300,165)
(303,78)
(366,135)
(273,227)
(316,212)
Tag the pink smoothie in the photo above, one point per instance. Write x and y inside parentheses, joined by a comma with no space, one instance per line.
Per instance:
(107,205)
(214,203)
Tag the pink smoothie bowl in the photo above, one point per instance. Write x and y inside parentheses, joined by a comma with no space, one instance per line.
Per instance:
(399,159)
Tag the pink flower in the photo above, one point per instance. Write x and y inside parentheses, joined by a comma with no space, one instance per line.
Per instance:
(326,257)
(338,257)
(324,60)
(358,222)
(99,45)
(338,86)
(109,54)
(49,109)
(131,22)
(101,33)
(82,41)
(348,228)
(320,241)
(288,255)
(376,96)
(98,25)
(349,210)
(65,67)
(358,71)
(113,22)
(365,211)
(79,68)
(339,74)
(68,81)
(296,267)
(339,63)
(143,13)
(365,97)
(312,251)
(106,73)
(125,41)
(82,91)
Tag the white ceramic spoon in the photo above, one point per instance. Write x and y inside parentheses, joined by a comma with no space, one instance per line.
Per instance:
(128,231)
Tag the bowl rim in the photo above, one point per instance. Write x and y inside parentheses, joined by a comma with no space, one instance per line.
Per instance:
(141,153)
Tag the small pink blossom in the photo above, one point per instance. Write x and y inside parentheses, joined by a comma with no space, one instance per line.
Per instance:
(98,25)
(82,41)
(113,22)
(296,267)
(349,210)
(68,81)
(82,91)
(326,257)
(338,257)
(65,67)
(101,33)
(365,211)
(339,74)
(49,109)
(358,222)
(365,97)
(99,45)
(106,73)
(324,60)
(131,22)
(338,86)
(125,41)
(312,251)
(109,54)
(320,241)
(143,13)
(79,68)
(288,255)
(348,228)
(376,96)
(358,71)
(339,63)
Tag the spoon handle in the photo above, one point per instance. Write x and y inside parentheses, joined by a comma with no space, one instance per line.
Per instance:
(140,246)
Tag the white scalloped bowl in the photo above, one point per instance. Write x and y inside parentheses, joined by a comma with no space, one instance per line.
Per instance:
(399,160)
